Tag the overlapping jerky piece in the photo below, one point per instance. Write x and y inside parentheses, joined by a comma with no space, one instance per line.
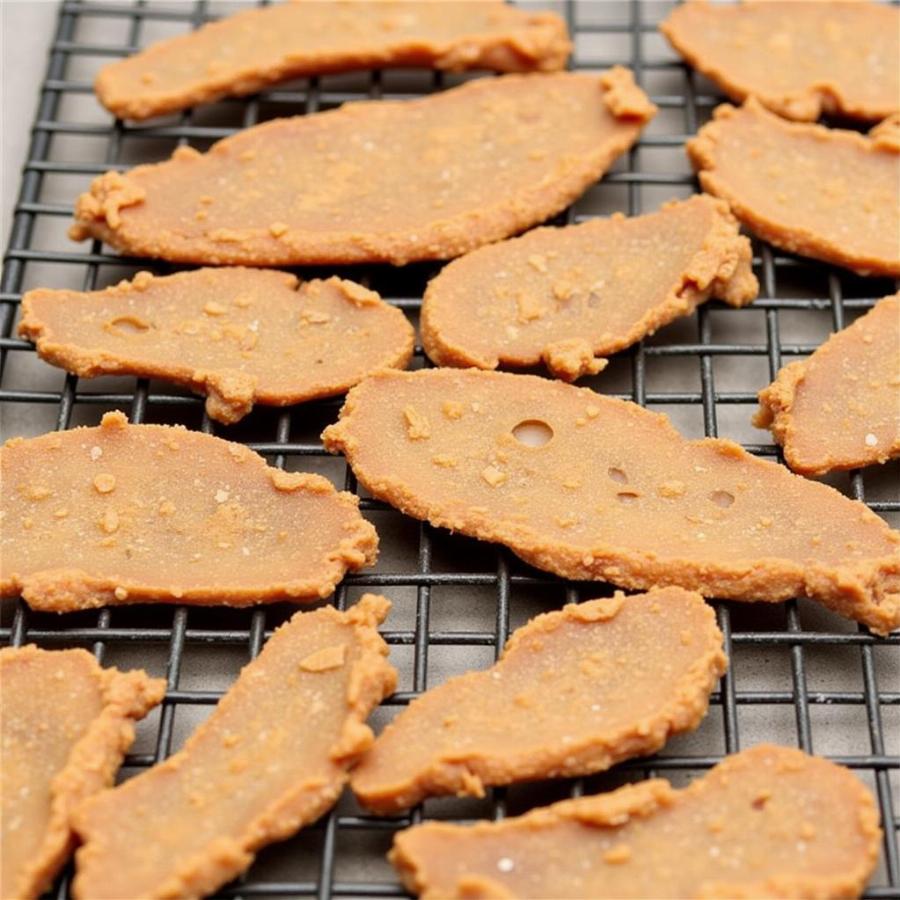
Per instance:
(840,408)
(245,52)
(767,822)
(820,192)
(134,513)
(237,335)
(799,59)
(386,181)
(566,295)
(624,674)
(273,757)
(65,726)
(590,487)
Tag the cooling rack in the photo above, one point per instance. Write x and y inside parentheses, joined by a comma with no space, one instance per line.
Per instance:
(799,675)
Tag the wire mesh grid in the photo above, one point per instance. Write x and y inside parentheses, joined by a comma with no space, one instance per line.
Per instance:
(798,675)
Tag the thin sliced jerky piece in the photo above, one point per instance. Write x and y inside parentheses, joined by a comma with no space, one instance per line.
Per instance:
(245,52)
(768,822)
(237,335)
(799,59)
(66,724)
(589,289)
(386,181)
(816,191)
(272,758)
(135,513)
(575,691)
(612,492)
(840,408)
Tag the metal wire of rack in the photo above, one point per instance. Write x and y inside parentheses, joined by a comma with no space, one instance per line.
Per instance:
(798,675)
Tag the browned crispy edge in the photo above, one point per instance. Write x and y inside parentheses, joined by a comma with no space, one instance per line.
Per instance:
(540,43)
(776,405)
(97,212)
(71,589)
(642,800)
(806,106)
(371,680)
(230,394)
(469,775)
(701,151)
(720,269)
(867,591)
(93,761)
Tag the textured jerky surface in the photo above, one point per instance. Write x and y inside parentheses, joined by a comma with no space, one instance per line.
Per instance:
(272,757)
(237,335)
(247,51)
(389,181)
(615,494)
(65,726)
(566,295)
(840,408)
(131,513)
(575,692)
(820,192)
(799,59)
(768,822)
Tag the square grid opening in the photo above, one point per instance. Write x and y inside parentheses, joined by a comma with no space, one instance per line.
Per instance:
(799,675)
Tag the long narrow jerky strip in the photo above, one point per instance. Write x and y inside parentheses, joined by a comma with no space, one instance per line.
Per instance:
(65,725)
(247,51)
(768,822)
(273,757)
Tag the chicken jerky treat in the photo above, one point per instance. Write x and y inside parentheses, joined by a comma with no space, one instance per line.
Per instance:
(273,757)
(767,822)
(245,52)
(589,487)
(799,59)
(65,724)
(625,675)
(386,181)
(565,295)
(816,191)
(237,335)
(840,408)
(133,513)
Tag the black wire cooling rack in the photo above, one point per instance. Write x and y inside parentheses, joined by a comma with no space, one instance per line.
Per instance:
(798,675)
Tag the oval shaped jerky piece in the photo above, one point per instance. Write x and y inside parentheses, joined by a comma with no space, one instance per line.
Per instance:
(816,191)
(612,492)
(244,52)
(840,408)
(65,726)
(133,513)
(238,335)
(564,295)
(272,758)
(799,59)
(767,822)
(386,181)
(575,691)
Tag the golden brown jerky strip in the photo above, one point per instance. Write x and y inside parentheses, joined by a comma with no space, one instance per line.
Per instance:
(386,181)
(816,191)
(612,492)
(767,822)
(245,52)
(575,691)
(565,295)
(237,335)
(134,513)
(799,59)
(840,408)
(272,757)
(65,726)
